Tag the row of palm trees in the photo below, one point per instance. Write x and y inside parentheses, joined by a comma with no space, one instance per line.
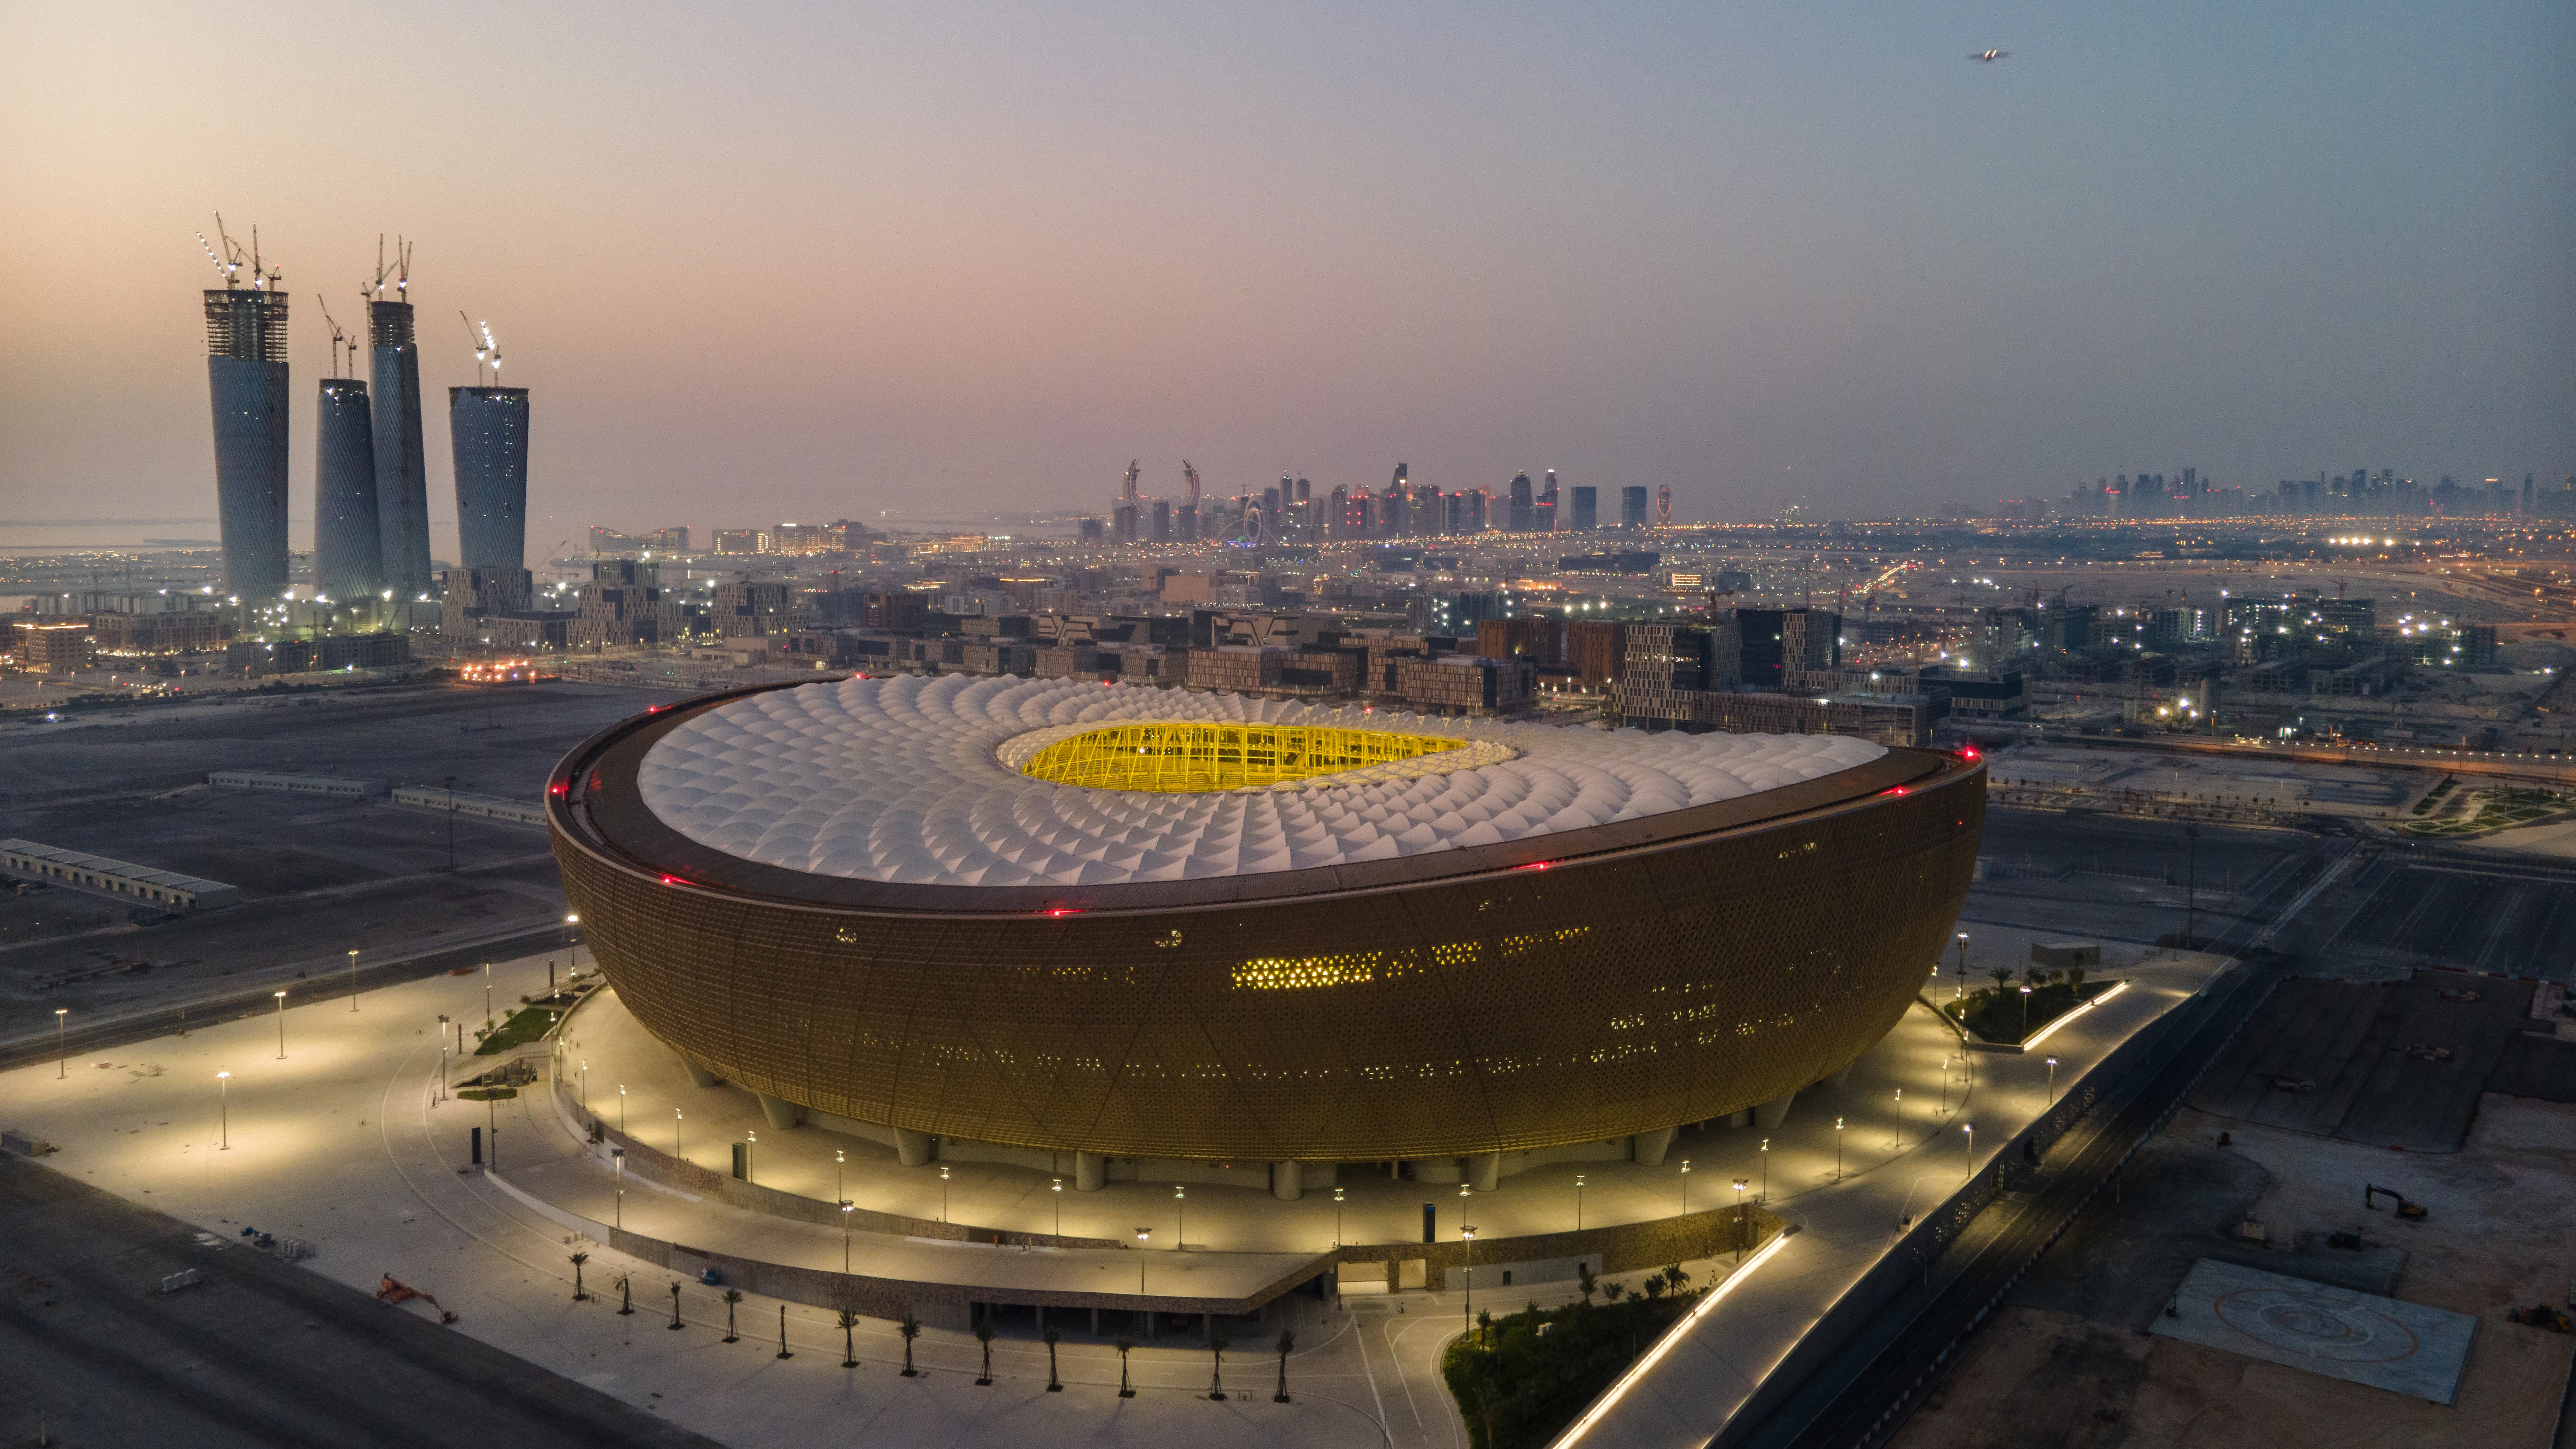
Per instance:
(847,1320)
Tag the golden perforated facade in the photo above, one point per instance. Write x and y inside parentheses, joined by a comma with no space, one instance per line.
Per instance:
(1577,986)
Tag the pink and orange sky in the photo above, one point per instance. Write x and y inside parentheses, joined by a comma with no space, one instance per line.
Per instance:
(816,261)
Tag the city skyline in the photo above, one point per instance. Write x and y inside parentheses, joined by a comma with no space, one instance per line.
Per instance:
(1764,261)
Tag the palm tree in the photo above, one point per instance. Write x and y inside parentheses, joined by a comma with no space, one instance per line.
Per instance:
(675,1305)
(1584,1279)
(1288,1345)
(1216,1380)
(1611,1291)
(1675,1279)
(910,1328)
(732,1296)
(2003,976)
(577,1260)
(1124,1344)
(1485,1328)
(1653,1287)
(849,1320)
(625,1295)
(984,1336)
(1054,1385)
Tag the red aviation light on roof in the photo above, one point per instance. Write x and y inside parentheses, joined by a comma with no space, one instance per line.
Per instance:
(1535,865)
(675,880)
(560,788)
(1894,790)
(1970,753)
(1053,911)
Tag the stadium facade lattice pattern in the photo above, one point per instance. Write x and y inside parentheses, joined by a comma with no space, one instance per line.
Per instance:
(1565,986)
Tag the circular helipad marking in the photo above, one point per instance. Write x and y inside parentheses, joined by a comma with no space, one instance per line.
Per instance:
(2317,1325)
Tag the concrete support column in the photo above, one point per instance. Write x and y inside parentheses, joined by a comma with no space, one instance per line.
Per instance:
(700,1076)
(1651,1146)
(1843,1075)
(1287,1181)
(1095,1323)
(911,1148)
(1740,1119)
(1774,1112)
(1435,1169)
(1041,1320)
(781,1113)
(1485,1171)
(1090,1172)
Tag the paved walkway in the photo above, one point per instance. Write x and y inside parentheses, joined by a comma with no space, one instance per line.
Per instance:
(338,1144)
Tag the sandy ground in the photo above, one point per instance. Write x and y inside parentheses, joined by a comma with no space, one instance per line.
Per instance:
(2502,1233)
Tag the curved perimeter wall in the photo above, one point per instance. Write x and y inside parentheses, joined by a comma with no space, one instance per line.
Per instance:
(1621,992)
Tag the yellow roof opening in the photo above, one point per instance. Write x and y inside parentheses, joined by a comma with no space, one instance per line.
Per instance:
(1201,758)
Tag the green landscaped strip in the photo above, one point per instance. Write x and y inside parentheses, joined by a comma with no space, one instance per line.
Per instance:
(524,1026)
(1519,1388)
(1994,1013)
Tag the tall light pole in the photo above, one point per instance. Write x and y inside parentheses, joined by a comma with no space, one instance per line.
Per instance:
(1765,1198)
(1180,1219)
(1900,1119)
(676,1115)
(224,1105)
(1741,1234)
(1142,1236)
(63,1042)
(487,1002)
(943,1192)
(1970,1128)
(1945,1086)
(281,1025)
(617,1159)
(751,1157)
(353,981)
(1337,1217)
(1838,1149)
(1685,1187)
(1058,1190)
(846,1206)
(572,942)
(2025,1011)
(621,1106)
(838,1158)
(2052,1081)
(1578,1202)
(1468,1237)
(585,1084)
(1961,988)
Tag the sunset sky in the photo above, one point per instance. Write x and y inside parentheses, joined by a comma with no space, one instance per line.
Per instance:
(773,262)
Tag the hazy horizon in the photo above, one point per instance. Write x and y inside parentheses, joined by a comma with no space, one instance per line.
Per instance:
(809,263)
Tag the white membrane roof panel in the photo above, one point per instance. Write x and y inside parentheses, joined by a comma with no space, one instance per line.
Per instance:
(916,781)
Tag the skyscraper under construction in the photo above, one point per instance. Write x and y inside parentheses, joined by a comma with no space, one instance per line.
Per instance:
(246,373)
(402,474)
(488,427)
(348,547)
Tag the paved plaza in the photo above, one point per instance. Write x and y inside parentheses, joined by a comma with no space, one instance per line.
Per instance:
(343,1144)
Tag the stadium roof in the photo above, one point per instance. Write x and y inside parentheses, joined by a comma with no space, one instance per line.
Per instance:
(918,781)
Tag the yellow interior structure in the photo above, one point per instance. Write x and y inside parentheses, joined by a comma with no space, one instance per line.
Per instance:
(1199,758)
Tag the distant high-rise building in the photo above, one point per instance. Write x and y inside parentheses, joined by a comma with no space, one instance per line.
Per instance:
(1162,520)
(1587,508)
(348,548)
(246,373)
(488,427)
(402,469)
(1543,511)
(1517,517)
(1632,507)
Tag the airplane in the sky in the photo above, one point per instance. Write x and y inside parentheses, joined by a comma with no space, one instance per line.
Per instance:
(1989,57)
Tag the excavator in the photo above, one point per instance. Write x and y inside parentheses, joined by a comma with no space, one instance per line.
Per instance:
(2411,1211)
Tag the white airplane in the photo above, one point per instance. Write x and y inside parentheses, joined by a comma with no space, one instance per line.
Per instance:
(1989,57)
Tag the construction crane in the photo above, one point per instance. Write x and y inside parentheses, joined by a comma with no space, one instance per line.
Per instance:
(486,351)
(232,258)
(400,270)
(339,339)
(1189,475)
